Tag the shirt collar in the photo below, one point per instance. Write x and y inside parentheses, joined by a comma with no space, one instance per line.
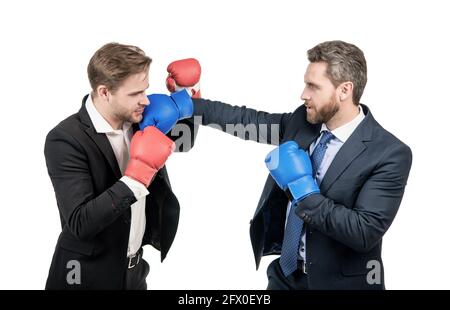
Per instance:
(100,124)
(346,130)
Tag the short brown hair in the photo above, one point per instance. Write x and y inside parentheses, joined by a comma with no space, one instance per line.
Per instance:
(346,63)
(113,63)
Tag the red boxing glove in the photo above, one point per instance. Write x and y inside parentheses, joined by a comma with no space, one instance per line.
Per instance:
(184,74)
(149,151)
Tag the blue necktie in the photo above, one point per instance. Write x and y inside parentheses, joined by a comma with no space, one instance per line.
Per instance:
(319,151)
(294,225)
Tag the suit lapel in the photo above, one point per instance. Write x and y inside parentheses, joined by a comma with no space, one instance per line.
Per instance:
(351,149)
(105,147)
(348,153)
(307,136)
(100,140)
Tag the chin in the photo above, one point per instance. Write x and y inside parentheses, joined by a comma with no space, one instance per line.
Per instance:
(311,119)
(135,119)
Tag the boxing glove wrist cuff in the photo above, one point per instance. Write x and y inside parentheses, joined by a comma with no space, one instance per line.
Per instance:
(140,172)
(299,189)
(184,103)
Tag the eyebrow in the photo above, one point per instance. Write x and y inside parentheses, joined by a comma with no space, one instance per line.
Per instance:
(311,84)
(139,91)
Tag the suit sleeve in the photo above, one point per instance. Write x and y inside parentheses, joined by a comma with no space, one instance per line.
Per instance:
(184,134)
(362,226)
(242,122)
(68,168)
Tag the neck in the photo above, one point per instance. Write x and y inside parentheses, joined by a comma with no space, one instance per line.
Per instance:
(345,115)
(102,108)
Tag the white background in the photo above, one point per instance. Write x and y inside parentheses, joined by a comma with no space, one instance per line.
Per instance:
(252,53)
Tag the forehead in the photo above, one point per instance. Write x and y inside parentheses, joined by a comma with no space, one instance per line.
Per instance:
(136,81)
(316,71)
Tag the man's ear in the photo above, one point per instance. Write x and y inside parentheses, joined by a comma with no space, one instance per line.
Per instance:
(345,91)
(102,92)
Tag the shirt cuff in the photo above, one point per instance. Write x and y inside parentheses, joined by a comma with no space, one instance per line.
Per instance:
(138,189)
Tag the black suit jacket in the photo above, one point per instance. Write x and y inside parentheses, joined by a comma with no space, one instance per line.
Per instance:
(94,206)
(359,195)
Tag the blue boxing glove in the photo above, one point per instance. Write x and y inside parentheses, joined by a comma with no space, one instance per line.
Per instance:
(164,111)
(291,168)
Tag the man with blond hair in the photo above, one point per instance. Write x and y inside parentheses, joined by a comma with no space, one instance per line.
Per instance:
(111,185)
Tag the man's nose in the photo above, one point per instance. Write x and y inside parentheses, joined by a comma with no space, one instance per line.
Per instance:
(305,96)
(145,100)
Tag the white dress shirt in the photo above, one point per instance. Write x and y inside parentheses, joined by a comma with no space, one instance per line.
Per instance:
(120,143)
(341,135)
